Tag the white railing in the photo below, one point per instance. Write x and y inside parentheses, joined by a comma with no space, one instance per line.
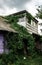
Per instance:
(31,28)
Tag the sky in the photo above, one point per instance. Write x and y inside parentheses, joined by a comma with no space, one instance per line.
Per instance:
(12,6)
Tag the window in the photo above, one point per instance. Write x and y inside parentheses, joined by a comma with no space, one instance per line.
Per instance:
(41,30)
(40,24)
(22,19)
(32,23)
(3,45)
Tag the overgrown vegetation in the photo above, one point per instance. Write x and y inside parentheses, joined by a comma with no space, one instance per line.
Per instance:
(39,14)
(20,45)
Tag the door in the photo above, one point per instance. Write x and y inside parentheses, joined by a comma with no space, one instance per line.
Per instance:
(1,44)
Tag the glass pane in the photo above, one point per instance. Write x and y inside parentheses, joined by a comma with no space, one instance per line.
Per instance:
(1,51)
(1,43)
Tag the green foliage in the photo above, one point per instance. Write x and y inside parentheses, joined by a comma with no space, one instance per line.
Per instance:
(41,39)
(31,44)
(16,44)
(39,14)
(36,60)
(22,33)
(29,17)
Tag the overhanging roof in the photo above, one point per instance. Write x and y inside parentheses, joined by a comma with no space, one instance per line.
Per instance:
(24,11)
(5,26)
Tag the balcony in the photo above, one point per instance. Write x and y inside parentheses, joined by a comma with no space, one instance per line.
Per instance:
(32,29)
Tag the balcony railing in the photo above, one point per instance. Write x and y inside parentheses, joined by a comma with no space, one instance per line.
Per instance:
(32,29)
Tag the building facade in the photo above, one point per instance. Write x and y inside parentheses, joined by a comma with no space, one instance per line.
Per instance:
(4,30)
(40,27)
(24,19)
(30,24)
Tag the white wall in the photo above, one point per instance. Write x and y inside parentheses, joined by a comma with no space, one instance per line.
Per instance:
(22,21)
(39,26)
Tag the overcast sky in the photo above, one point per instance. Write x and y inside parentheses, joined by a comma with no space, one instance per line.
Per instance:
(12,6)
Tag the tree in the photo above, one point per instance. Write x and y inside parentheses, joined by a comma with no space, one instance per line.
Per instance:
(39,14)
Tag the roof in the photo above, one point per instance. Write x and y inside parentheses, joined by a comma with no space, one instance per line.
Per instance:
(5,26)
(17,13)
(24,11)
(35,20)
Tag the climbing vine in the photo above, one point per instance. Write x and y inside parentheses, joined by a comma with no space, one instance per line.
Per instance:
(15,41)
(22,32)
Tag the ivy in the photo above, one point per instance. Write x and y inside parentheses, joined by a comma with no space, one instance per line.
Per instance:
(22,33)
(15,41)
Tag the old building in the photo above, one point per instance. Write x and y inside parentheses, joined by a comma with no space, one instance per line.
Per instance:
(24,19)
(27,20)
(4,29)
(31,24)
